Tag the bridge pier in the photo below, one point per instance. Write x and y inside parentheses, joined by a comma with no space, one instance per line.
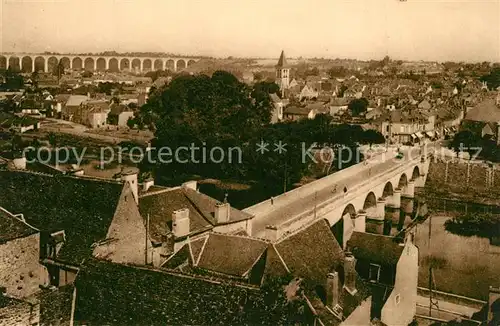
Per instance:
(360,222)
(420,181)
(376,218)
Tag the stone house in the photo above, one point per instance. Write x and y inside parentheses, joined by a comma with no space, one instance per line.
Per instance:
(90,217)
(21,273)
(175,215)
(390,266)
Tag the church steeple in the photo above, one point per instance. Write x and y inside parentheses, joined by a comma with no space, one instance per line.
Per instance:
(283,73)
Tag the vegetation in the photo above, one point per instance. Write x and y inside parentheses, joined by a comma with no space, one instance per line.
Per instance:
(493,78)
(371,137)
(11,80)
(483,225)
(220,111)
(472,143)
(358,106)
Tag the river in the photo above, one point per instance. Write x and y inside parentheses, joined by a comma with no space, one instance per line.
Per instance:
(461,265)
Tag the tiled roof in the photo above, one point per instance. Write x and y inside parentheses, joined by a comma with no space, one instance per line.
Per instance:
(229,254)
(375,248)
(485,111)
(76,100)
(312,252)
(206,205)
(196,247)
(296,110)
(13,228)
(83,208)
(55,306)
(160,206)
(112,294)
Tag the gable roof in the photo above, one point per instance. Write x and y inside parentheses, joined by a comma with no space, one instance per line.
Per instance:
(312,252)
(161,205)
(76,100)
(230,254)
(12,227)
(114,294)
(83,208)
(375,248)
(486,111)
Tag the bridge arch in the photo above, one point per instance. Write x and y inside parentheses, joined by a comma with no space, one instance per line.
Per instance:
(52,63)
(3,63)
(416,173)
(403,181)
(89,64)
(147,65)
(181,64)
(388,190)
(136,64)
(158,64)
(14,63)
(39,64)
(77,63)
(124,64)
(113,65)
(27,64)
(370,201)
(191,62)
(338,228)
(170,65)
(66,63)
(101,64)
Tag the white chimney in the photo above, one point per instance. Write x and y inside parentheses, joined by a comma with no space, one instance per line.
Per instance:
(180,222)
(350,273)
(131,177)
(19,163)
(147,184)
(272,233)
(222,212)
(332,290)
(190,184)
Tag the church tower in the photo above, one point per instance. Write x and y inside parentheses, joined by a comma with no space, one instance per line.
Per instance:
(283,73)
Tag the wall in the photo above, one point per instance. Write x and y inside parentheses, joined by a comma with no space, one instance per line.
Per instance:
(19,314)
(127,233)
(361,315)
(228,228)
(405,287)
(462,176)
(20,270)
(123,118)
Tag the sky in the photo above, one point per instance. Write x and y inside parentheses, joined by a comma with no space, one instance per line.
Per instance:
(452,30)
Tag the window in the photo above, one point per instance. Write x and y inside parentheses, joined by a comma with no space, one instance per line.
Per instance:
(374,273)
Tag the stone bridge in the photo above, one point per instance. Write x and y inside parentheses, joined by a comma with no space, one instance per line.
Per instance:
(372,196)
(29,62)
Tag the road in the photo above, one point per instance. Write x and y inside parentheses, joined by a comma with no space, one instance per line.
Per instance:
(374,167)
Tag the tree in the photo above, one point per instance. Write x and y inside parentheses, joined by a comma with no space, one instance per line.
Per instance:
(58,70)
(493,78)
(466,141)
(371,137)
(338,71)
(358,106)
(257,76)
(87,74)
(131,122)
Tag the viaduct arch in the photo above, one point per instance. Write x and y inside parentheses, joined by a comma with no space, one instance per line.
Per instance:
(45,63)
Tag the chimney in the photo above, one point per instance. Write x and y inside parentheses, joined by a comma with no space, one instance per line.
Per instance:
(190,184)
(272,233)
(350,273)
(332,290)
(222,212)
(180,222)
(148,183)
(19,162)
(130,176)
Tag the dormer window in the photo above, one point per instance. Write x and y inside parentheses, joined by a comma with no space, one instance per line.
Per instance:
(55,243)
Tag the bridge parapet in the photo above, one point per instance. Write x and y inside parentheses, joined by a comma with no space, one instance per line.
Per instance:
(269,205)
